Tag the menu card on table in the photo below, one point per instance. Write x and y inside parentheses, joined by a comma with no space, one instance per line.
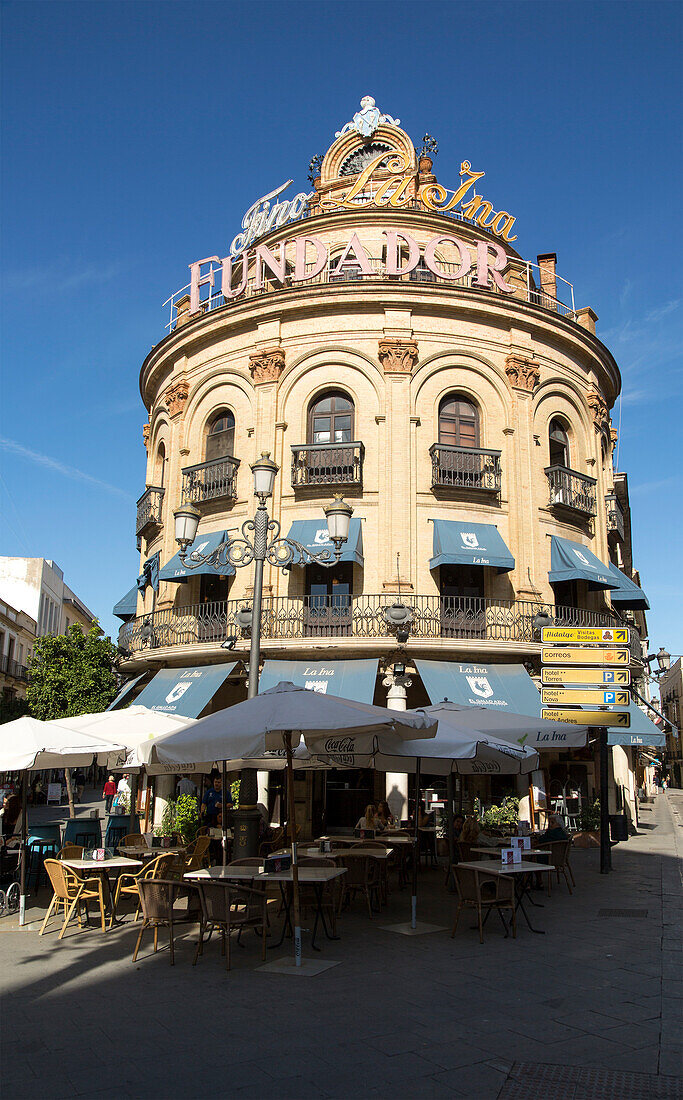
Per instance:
(508,856)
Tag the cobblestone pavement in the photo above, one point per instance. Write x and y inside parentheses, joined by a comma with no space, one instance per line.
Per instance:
(592,1009)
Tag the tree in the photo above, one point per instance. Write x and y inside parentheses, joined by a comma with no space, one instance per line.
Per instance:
(71,674)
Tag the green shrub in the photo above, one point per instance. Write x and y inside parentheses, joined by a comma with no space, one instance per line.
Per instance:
(235,792)
(589,817)
(186,818)
(507,814)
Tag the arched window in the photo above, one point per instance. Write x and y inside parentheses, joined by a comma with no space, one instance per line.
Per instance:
(220,439)
(458,422)
(330,419)
(558,444)
(160,467)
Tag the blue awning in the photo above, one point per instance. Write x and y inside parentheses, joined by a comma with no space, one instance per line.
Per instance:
(628,595)
(501,687)
(312,533)
(572,561)
(125,694)
(206,543)
(184,691)
(150,574)
(348,679)
(127,607)
(460,543)
(642,731)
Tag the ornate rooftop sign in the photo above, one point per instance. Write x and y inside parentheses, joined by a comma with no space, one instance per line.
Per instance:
(366,121)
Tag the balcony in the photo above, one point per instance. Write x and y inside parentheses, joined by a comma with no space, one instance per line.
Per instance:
(8,667)
(361,617)
(149,512)
(327,464)
(470,468)
(215,480)
(615,517)
(571,491)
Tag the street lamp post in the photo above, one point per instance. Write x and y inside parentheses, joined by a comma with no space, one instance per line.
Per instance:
(260,542)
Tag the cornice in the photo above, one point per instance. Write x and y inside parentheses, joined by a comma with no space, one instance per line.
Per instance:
(290,302)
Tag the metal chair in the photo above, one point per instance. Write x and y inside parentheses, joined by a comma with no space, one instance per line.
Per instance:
(362,876)
(164,866)
(559,858)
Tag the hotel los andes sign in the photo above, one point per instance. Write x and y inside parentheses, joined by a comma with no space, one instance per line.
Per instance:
(311,257)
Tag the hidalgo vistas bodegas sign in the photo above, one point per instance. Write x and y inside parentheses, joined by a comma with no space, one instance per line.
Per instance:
(311,256)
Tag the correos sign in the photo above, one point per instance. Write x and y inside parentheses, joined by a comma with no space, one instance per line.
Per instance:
(311,257)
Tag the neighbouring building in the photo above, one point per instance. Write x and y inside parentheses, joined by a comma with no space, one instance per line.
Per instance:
(383,336)
(36,586)
(671,689)
(17,635)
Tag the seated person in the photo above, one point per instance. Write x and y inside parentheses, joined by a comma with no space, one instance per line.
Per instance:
(424,819)
(458,824)
(385,815)
(370,820)
(554,831)
(212,802)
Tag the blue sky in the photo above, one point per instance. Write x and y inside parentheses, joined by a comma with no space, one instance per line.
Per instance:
(136,134)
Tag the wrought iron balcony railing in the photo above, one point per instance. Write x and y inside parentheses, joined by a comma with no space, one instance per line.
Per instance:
(572,490)
(615,516)
(149,510)
(465,468)
(287,618)
(215,480)
(327,464)
(13,668)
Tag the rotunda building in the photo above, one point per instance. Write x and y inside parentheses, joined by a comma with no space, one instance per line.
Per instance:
(383,337)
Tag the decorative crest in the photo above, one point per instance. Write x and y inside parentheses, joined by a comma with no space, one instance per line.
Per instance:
(366,121)
(429,146)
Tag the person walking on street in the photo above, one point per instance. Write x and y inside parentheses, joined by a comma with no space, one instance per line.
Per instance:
(108,794)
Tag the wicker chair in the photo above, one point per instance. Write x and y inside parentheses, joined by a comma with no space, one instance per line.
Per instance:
(157,897)
(166,866)
(71,851)
(74,890)
(476,891)
(196,853)
(362,876)
(382,864)
(559,858)
(230,908)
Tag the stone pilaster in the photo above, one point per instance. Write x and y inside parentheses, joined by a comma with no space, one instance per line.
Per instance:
(267,365)
(176,398)
(523,374)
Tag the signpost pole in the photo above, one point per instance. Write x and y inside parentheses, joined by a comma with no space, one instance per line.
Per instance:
(605,850)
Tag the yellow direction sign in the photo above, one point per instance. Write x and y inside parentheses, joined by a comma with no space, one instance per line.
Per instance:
(592,696)
(621,719)
(617,677)
(586,635)
(571,655)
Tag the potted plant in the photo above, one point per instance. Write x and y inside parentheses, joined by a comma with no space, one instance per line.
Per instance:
(588,835)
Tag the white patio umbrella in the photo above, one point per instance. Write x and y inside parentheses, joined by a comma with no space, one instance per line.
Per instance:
(248,731)
(28,744)
(453,749)
(136,728)
(521,729)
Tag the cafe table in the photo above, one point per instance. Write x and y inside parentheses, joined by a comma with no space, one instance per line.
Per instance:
(317,877)
(384,838)
(521,874)
(494,853)
(103,867)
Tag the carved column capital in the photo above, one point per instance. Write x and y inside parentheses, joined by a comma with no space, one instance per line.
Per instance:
(397,356)
(145,436)
(176,398)
(267,366)
(523,374)
(598,407)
